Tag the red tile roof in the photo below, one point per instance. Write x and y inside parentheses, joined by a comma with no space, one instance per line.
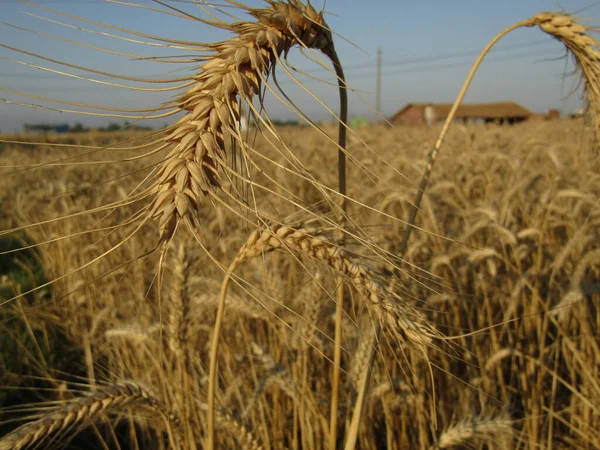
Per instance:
(473,110)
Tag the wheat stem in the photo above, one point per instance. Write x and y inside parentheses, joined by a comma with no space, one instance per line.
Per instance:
(339,306)
(212,371)
(363,385)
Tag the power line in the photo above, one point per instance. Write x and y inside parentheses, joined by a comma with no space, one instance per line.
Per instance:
(378,83)
(439,57)
(427,68)
(454,65)
(351,68)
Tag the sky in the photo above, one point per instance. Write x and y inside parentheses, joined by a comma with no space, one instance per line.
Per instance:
(427,49)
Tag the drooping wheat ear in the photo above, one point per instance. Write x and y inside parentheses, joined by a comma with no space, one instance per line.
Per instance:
(470,433)
(233,73)
(80,410)
(400,319)
(585,50)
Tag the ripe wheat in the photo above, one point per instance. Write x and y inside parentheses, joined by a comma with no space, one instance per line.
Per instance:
(116,398)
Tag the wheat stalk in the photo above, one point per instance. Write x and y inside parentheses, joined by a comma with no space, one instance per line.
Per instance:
(579,43)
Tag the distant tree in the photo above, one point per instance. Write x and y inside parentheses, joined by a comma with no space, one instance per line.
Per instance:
(78,128)
(285,123)
(113,126)
(127,126)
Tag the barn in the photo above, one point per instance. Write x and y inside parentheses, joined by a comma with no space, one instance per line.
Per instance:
(506,112)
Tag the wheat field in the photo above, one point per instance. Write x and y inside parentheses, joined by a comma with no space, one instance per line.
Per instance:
(204,286)
(507,262)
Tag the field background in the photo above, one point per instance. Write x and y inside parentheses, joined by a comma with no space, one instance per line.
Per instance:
(506,257)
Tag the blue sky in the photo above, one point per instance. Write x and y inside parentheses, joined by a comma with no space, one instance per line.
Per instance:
(427,48)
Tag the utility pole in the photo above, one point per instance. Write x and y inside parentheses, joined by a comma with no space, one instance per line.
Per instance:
(378,88)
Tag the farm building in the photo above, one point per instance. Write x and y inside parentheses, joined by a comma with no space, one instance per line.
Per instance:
(506,112)
(549,114)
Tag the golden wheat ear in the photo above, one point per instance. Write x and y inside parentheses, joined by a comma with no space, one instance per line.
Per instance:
(467,432)
(54,422)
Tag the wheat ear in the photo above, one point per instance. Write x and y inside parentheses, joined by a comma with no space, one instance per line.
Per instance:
(362,380)
(245,438)
(179,305)
(398,318)
(478,430)
(79,410)
(580,44)
(234,73)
